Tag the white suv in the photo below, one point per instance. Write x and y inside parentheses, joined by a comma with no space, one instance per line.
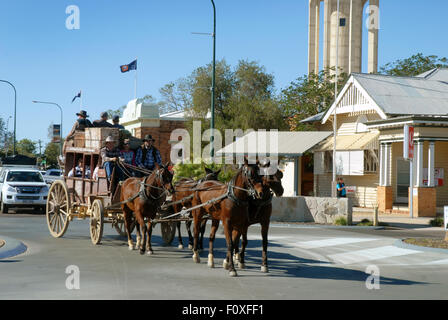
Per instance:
(22,188)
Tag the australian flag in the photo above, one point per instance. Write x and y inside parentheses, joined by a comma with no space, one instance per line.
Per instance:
(77,96)
(128,67)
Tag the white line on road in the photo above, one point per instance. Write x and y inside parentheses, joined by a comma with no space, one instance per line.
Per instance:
(330,242)
(370,254)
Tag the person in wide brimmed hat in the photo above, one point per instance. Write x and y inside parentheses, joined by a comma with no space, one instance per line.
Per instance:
(110,154)
(80,125)
(147,155)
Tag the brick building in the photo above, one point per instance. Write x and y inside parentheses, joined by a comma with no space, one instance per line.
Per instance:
(142,119)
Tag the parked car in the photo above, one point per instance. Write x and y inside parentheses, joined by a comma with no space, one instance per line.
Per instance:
(22,187)
(52,175)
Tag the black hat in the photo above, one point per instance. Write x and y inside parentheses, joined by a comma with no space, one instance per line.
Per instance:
(82,113)
(148,137)
(104,114)
(116,117)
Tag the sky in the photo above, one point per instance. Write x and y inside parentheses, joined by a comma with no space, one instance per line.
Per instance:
(48,62)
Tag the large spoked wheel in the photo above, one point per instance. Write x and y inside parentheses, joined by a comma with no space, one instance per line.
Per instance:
(168,232)
(120,227)
(97,222)
(168,229)
(58,206)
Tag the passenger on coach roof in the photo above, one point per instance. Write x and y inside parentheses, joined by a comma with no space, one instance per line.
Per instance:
(116,121)
(102,123)
(80,125)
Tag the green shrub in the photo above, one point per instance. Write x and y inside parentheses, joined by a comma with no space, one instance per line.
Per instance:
(437,222)
(365,223)
(197,171)
(341,221)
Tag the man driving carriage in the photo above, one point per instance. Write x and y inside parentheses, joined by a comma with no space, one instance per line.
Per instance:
(110,154)
(148,155)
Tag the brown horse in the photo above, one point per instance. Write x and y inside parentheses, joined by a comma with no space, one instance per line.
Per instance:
(228,204)
(260,212)
(184,189)
(144,197)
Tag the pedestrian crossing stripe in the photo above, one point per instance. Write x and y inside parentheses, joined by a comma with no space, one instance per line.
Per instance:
(330,242)
(370,254)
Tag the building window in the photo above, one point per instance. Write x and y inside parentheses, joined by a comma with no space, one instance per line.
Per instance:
(342,22)
(371,161)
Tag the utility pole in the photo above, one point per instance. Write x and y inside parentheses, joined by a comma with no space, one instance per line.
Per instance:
(40,147)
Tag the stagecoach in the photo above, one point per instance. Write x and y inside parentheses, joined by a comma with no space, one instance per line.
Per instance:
(91,196)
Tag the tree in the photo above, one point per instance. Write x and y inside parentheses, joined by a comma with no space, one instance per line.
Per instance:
(26,147)
(177,95)
(309,95)
(414,65)
(244,96)
(51,154)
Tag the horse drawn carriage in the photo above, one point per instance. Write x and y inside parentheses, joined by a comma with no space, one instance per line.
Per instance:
(90,195)
(141,203)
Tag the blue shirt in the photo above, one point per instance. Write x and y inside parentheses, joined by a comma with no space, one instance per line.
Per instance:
(343,192)
(149,162)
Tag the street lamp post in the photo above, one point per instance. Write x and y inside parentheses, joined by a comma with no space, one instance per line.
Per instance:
(15,108)
(6,136)
(212,120)
(60,140)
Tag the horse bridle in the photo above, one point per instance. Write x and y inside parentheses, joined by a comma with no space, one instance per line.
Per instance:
(159,177)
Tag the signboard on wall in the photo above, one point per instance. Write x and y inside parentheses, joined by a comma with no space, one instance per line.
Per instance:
(438,177)
(408,142)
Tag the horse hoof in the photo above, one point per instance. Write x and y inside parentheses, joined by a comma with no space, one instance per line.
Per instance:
(232,273)
(225,264)
(264,269)
(142,252)
(131,248)
(196,258)
(211,263)
(181,246)
(241,265)
(150,253)
(190,246)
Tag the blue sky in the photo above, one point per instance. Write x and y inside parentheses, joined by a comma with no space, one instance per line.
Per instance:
(45,61)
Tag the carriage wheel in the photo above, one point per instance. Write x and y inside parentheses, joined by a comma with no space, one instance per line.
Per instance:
(58,206)
(96,221)
(168,232)
(121,227)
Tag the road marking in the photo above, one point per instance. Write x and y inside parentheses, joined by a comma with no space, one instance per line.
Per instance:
(330,242)
(437,262)
(370,254)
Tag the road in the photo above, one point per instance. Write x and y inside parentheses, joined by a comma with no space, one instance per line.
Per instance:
(306,262)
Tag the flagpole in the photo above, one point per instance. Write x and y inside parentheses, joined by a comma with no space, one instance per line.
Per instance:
(135,81)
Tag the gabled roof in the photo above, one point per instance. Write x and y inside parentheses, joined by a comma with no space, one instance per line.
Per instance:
(392,96)
(406,95)
(440,74)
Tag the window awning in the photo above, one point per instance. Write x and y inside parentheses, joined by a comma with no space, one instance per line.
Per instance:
(359,141)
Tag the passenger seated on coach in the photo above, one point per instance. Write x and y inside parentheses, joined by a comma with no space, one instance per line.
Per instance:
(110,155)
(77,171)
